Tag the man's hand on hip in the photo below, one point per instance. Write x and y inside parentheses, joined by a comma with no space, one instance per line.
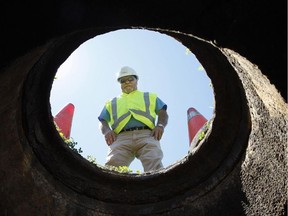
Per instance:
(110,137)
(157,132)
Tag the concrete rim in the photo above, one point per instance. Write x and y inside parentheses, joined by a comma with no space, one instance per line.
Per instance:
(191,177)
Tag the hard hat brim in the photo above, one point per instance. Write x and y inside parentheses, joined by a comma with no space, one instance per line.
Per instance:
(118,79)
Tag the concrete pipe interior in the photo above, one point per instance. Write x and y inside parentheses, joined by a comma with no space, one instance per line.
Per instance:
(193,176)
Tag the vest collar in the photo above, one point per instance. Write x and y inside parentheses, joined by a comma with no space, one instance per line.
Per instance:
(131,93)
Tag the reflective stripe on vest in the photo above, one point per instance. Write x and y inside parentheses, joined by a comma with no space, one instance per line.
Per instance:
(148,117)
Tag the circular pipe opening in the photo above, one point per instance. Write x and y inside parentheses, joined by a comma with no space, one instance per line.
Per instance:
(191,177)
(87,80)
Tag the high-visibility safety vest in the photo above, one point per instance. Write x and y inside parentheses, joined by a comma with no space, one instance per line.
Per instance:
(140,105)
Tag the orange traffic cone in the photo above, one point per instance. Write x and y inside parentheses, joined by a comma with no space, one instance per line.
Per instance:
(64,119)
(195,122)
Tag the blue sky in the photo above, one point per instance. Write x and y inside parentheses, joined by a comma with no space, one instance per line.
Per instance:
(87,79)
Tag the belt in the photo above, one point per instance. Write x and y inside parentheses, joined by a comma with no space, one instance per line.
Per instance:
(135,128)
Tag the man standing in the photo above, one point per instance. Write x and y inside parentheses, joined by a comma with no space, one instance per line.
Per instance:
(128,124)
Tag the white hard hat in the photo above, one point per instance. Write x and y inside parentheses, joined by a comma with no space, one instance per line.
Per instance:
(126,71)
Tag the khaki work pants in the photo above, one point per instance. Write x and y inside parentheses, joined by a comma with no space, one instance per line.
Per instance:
(139,144)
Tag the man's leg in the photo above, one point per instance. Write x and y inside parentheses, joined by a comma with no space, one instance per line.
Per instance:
(149,152)
(119,152)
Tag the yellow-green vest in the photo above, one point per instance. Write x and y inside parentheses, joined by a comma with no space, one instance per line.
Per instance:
(140,105)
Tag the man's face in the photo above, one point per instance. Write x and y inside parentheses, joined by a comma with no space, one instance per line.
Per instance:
(128,84)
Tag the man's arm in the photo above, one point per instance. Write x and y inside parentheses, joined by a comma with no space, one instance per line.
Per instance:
(109,134)
(162,118)
(104,127)
(158,131)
